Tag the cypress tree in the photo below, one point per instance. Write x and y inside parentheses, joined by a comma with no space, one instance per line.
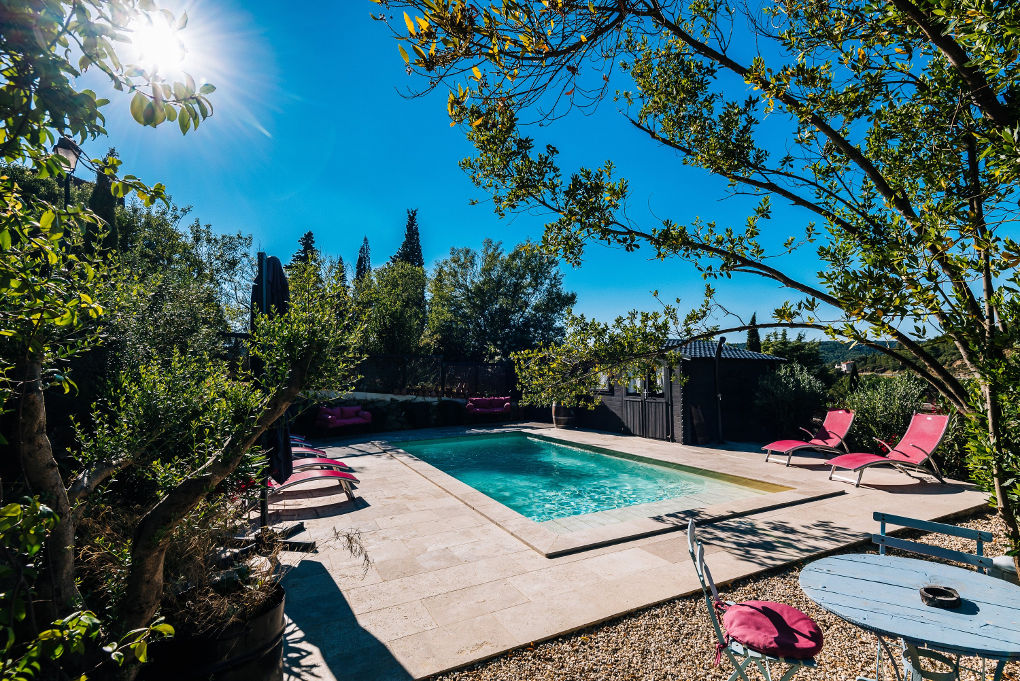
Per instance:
(341,269)
(753,338)
(410,250)
(364,264)
(308,252)
(103,203)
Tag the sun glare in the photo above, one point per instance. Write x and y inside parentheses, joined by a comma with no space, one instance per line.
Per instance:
(157,44)
(208,41)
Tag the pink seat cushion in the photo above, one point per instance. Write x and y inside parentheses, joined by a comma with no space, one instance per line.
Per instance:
(773,629)
(786,446)
(349,412)
(856,460)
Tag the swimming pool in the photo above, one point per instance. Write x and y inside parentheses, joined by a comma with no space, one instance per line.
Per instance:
(545,480)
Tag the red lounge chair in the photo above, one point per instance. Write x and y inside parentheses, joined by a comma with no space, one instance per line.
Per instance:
(320,462)
(346,480)
(828,438)
(911,453)
(305,450)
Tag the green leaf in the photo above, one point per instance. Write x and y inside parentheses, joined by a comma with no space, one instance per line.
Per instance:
(138,103)
(46,220)
(182,21)
(207,89)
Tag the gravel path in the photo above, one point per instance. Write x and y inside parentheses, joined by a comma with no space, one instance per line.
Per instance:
(675,640)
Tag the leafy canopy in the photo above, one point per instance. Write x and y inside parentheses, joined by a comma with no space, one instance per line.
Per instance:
(893,127)
(487,305)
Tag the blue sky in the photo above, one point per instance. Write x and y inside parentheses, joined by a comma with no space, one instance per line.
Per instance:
(311,132)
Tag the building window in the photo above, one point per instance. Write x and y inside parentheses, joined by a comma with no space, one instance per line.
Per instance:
(657,382)
(605,386)
(649,385)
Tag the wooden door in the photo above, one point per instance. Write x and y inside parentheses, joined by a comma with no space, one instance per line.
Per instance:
(646,417)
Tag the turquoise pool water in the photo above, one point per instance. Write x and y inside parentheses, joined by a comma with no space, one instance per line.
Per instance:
(544,480)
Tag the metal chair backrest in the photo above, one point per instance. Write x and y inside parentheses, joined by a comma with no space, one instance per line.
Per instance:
(708,588)
(923,435)
(835,427)
(979,560)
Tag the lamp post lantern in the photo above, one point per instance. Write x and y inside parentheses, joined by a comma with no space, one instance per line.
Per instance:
(70,152)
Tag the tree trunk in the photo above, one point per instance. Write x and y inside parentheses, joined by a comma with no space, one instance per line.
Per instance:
(1002,501)
(43,477)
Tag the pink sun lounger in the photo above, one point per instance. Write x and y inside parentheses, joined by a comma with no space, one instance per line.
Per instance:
(320,462)
(827,439)
(346,480)
(911,454)
(305,450)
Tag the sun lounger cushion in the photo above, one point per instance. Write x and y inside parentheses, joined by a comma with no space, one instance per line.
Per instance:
(773,629)
(305,450)
(856,460)
(314,474)
(321,462)
(787,445)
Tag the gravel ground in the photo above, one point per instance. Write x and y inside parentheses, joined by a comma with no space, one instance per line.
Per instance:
(675,640)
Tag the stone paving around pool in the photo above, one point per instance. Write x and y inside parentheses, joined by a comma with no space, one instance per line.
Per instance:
(450,583)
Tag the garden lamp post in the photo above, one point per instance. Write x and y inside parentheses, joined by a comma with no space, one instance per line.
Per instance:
(70,152)
(718,390)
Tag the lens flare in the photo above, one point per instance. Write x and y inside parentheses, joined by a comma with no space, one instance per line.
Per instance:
(157,44)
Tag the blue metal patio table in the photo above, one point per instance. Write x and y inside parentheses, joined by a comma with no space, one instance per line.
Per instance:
(881,593)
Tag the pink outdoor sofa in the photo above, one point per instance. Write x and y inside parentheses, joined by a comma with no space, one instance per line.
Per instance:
(329,418)
(488,405)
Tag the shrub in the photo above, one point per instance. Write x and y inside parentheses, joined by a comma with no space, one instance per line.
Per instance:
(788,398)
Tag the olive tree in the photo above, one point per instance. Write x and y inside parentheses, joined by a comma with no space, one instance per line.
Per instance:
(47,312)
(51,311)
(892,127)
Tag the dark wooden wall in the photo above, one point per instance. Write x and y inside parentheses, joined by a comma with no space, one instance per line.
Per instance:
(673,417)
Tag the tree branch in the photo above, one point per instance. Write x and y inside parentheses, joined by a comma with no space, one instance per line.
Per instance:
(980,91)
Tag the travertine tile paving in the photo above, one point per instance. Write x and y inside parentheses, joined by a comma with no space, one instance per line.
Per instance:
(448,586)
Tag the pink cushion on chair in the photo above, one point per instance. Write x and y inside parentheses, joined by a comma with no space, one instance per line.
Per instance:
(773,629)
(786,446)
(349,412)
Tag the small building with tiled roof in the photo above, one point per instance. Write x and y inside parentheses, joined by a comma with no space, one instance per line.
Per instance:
(705,349)
(680,403)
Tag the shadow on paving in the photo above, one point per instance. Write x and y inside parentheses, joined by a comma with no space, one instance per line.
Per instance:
(920,488)
(321,617)
(768,542)
(772,542)
(322,511)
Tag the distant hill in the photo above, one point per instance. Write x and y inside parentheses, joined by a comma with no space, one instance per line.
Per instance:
(835,351)
(871,360)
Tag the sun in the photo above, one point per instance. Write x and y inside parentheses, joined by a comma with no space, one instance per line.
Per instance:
(157,45)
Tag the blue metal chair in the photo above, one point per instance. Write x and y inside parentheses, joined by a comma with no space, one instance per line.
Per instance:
(739,655)
(977,559)
(913,657)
